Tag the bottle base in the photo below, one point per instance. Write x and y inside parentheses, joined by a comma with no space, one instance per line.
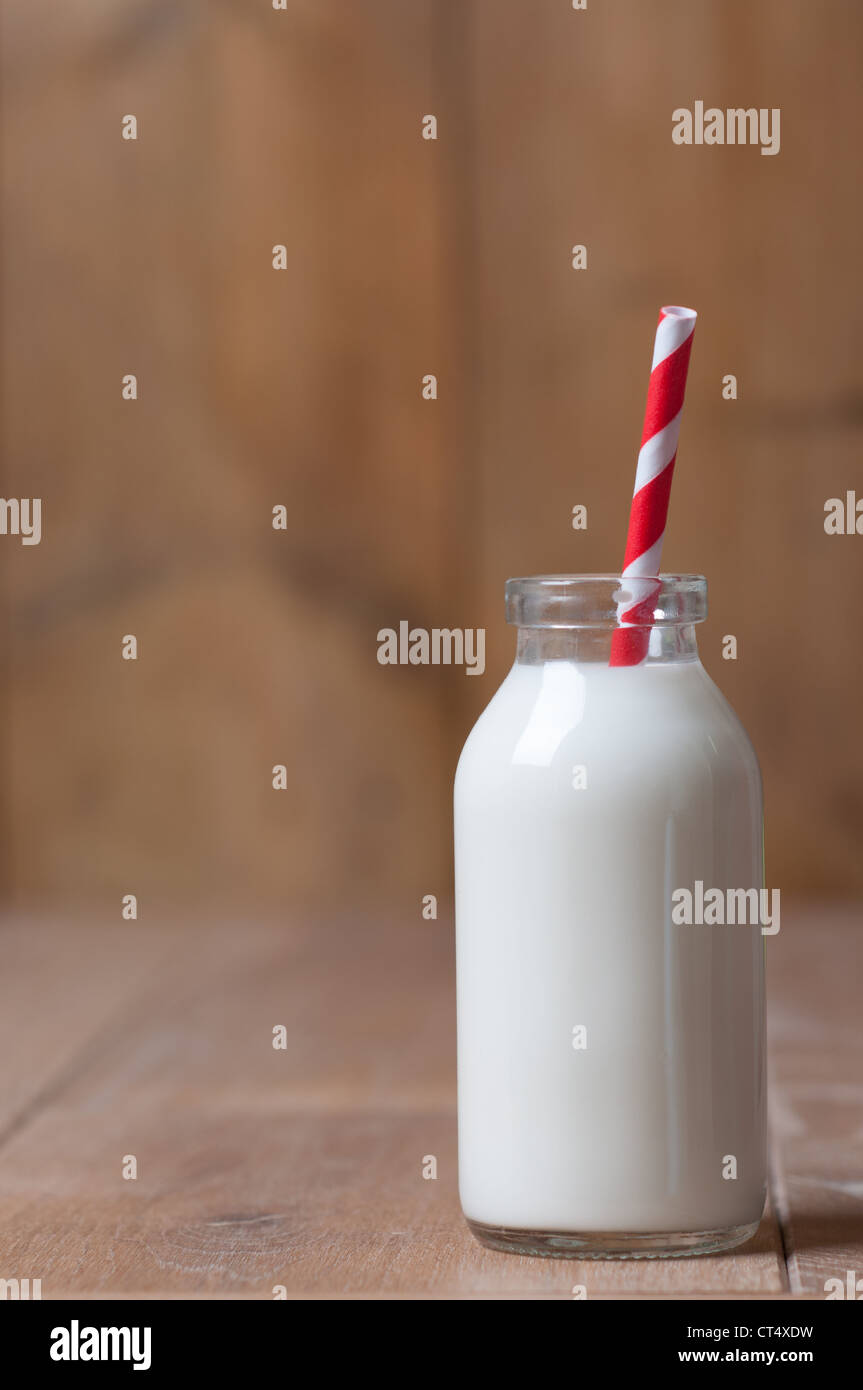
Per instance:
(611,1245)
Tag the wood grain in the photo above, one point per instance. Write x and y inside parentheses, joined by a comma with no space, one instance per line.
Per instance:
(62,992)
(256,388)
(303,1167)
(572,144)
(817,1094)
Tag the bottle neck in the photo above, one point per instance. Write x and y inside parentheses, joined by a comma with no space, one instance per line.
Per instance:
(668,643)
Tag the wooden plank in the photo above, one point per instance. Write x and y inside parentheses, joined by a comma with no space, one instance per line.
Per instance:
(300,1167)
(63,990)
(573,145)
(817,1093)
(325,1204)
(256,388)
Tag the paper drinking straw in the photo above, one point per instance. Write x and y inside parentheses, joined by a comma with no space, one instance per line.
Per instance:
(653,475)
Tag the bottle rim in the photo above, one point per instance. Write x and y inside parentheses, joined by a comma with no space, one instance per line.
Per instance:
(602,600)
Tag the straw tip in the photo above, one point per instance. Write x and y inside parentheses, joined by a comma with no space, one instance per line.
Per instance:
(677,311)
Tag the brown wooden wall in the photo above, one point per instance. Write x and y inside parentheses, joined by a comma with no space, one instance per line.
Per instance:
(302,387)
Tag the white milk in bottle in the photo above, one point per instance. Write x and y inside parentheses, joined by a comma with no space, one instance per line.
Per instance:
(611,1058)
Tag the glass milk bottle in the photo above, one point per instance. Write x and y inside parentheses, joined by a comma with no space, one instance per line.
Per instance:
(610,1057)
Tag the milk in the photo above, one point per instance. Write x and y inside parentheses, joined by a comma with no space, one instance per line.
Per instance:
(585,795)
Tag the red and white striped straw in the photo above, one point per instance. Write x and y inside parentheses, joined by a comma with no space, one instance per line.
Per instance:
(653,475)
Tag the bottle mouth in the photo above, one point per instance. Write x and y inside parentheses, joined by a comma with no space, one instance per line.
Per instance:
(601,600)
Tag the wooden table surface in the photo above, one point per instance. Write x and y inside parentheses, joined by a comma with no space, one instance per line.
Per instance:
(303,1166)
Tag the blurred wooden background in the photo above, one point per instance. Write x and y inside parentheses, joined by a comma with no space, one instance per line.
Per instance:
(302,387)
